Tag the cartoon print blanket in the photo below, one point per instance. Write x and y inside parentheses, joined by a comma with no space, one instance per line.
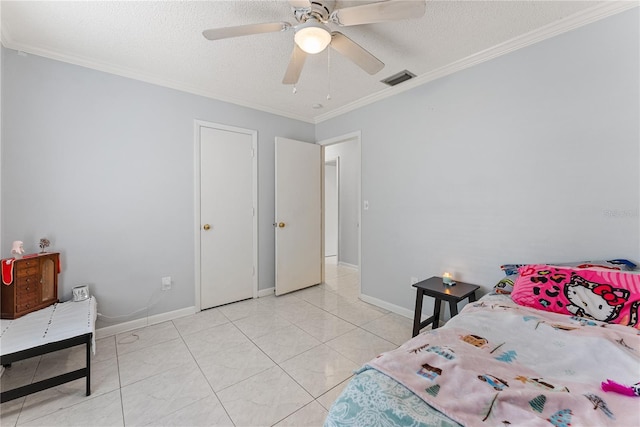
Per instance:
(499,364)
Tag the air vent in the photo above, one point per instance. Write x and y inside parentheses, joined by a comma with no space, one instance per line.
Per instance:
(398,78)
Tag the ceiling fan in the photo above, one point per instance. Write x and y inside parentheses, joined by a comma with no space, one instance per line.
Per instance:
(312,35)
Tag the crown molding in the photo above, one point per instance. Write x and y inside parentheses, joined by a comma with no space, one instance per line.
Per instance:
(572,22)
(587,16)
(4,33)
(141,76)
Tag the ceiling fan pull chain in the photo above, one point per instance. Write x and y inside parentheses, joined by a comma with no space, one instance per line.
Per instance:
(328,74)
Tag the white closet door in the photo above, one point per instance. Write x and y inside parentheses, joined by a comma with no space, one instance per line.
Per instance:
(226,216)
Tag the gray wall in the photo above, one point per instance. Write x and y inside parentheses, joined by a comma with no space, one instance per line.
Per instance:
(533,156)
(348,152)
(104,167)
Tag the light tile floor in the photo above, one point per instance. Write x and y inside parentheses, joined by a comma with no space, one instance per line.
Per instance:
(269,361)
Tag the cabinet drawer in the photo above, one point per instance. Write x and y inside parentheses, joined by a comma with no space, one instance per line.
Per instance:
(27,288)
(29,305)
(30,298)
(22,282)
(30,271)
(25,264)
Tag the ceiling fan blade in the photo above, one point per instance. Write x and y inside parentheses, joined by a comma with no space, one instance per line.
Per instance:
(378,12)
(298,4)
(294,68)
(245,30)
(356,53)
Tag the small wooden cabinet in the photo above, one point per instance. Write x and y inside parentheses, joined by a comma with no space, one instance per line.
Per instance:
(34,285)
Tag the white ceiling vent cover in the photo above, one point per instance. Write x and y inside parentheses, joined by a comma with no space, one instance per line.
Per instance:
(398,78)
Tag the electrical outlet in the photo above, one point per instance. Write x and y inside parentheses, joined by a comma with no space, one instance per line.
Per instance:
(413,281)
(166,283)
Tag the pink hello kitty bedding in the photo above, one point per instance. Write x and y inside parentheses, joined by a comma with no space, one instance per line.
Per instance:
(498,364)
(600,294)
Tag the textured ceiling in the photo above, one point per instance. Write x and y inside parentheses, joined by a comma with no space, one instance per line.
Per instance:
(162,42)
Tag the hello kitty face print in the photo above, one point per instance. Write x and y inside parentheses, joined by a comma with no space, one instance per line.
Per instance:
(591,293)
(596,301)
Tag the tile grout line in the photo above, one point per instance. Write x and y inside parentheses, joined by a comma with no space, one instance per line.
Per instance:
(115,343)
(314,399)
(284,370)
(253,312)
(258,373)
(203,374)
(345,320)
(86,398)
(179,337)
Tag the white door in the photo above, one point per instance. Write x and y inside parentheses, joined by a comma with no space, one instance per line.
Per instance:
(226,216)
(298,171)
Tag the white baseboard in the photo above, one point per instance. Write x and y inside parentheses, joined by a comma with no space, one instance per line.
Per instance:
(108,331)
(392,307)
(387,306)
(346,264)
(266,292)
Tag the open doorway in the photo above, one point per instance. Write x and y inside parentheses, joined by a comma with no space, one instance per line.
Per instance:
(331,209)
(341,209)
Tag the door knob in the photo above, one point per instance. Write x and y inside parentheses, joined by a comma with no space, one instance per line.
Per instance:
(281,224)
(206,226)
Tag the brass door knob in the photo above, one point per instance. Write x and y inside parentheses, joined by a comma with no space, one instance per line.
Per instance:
(206,226)
(281,224)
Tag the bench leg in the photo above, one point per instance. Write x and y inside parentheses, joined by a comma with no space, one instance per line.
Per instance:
(89,365)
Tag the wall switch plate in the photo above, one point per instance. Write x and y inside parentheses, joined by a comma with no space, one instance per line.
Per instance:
(366,205)
(166,283)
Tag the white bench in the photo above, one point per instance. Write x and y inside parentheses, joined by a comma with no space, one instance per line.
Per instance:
(54,328)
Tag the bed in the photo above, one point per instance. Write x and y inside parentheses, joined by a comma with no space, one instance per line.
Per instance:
(505,361)
(50,329)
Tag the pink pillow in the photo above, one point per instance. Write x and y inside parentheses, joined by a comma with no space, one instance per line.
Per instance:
(600,294)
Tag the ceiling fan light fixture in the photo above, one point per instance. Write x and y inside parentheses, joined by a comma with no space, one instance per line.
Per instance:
(312,36)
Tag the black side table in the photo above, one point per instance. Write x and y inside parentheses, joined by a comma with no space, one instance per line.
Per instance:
(434,287)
